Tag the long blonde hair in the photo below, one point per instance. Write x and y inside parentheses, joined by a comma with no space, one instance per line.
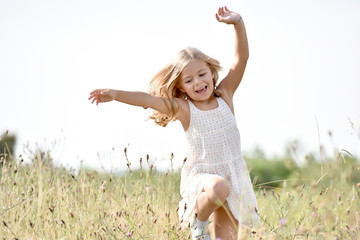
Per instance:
(165,83)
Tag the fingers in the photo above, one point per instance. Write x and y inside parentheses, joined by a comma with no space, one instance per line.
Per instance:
(221,13)
(217,17)
(94,96)
(97,91)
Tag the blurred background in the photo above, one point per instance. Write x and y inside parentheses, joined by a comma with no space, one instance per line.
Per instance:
(299,95)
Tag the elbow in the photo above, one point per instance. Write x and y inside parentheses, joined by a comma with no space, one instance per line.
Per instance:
(246,56)
(243,58)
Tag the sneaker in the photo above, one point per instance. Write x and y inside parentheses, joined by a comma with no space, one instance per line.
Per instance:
(198,233)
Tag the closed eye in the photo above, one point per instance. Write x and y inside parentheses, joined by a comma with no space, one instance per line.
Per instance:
(187,81)
(203,74)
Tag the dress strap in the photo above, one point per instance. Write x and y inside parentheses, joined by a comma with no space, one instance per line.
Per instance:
(191,105)
(221,101)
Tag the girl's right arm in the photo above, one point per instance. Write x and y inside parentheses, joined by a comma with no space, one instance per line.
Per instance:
(140,99)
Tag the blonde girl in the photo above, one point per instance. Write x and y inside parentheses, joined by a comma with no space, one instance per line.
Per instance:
(215,183)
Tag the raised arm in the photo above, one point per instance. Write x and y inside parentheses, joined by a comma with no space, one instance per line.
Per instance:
(140,99)
(231,82)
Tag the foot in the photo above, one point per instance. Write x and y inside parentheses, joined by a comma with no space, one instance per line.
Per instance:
(199,233)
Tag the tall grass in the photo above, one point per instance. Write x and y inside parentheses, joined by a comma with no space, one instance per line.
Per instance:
(43,201)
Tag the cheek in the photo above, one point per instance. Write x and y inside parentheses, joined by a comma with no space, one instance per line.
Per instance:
(182,88)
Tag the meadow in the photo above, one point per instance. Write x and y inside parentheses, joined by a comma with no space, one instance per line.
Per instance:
(38,200)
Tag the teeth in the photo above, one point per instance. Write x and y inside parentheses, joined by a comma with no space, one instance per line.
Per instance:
(201,90)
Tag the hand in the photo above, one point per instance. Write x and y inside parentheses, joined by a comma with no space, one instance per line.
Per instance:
(227,16)
(102,95)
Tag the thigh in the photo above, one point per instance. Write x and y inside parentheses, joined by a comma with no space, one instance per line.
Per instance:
(225,224)
(211,181)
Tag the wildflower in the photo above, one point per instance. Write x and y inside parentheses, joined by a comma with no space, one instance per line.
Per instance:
(339,197)
(282,221)
(129,234)
(313,213)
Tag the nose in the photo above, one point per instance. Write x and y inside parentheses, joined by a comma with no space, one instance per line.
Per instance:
(197,81)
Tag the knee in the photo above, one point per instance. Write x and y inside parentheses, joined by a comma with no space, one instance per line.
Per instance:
(217,190)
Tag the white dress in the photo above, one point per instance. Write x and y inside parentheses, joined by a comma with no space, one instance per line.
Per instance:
(215,150)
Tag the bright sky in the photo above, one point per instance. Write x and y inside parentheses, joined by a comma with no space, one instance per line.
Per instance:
(303,70)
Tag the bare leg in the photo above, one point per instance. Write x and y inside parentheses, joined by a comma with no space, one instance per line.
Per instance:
(213,196)
(225,224)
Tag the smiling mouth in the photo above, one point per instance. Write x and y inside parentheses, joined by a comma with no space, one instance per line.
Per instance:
(201,91)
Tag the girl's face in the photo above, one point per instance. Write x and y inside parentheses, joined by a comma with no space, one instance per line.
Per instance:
(196,80)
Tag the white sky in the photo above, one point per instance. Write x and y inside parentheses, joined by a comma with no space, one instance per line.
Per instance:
(304,65)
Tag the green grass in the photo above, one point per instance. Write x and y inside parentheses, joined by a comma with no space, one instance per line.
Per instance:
(41,201)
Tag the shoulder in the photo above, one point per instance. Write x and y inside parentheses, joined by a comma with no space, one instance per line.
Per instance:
(227,99)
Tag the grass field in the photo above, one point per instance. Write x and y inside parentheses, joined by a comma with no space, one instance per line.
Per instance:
(42,201)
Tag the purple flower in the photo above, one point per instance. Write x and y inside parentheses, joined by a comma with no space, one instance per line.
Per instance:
(313,213)
(282,221)
(129,234)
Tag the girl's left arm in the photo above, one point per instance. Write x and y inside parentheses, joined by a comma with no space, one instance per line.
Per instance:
(231,82)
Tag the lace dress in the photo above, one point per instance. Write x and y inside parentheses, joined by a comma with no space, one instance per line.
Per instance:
(215,150)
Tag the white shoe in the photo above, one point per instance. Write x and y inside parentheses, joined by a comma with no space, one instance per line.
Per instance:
(199,233)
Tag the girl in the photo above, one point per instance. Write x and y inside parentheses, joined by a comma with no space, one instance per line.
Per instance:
(214,180)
